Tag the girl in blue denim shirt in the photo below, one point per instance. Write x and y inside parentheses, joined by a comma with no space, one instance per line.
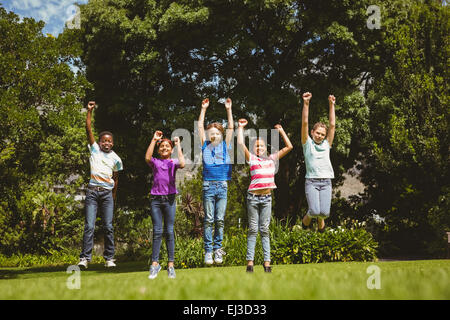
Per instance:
(319,170)
(216,172)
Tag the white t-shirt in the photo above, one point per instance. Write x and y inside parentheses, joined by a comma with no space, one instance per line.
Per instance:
(317,159)
(103,165)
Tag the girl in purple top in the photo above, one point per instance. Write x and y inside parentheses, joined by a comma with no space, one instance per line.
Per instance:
(163,202)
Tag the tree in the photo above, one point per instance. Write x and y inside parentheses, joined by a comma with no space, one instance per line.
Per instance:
(407,160)
(42,139)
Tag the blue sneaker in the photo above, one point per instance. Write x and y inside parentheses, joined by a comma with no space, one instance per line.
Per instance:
(154,271)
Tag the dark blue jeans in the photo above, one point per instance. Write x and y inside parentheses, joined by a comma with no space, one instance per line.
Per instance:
(103,200)
(163,209)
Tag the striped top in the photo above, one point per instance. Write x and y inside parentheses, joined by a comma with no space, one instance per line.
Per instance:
(262,172)
(103,164)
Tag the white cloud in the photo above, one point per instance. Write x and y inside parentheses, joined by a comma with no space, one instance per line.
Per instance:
(54,13)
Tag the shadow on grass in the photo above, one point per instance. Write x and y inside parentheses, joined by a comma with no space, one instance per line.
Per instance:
(122,267)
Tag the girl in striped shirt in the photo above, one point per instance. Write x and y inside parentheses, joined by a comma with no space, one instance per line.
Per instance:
(259,197)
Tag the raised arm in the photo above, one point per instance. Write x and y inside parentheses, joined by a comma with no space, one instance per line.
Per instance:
(201,120)
(305,113)
(181,160)
(331,119)
(280,154)
(148,155)
(116,183)
(230,126)
(90,108)
(240,138)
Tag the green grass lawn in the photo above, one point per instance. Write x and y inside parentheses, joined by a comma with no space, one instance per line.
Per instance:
(399,280)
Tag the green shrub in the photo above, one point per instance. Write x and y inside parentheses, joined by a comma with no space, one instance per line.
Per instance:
(288,245)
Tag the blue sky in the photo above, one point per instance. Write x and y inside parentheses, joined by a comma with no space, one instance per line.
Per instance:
(53,12)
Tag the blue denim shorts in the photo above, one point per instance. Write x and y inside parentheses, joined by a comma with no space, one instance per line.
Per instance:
(318,194)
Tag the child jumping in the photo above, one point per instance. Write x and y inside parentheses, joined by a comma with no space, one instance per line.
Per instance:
(101,191)
(319,170)
(259,198)
(216,172)
(163,204)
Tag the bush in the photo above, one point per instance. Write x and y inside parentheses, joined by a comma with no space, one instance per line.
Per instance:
(288,245)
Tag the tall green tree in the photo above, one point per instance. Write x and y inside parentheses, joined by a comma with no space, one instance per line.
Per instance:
(42,138)
(407,162)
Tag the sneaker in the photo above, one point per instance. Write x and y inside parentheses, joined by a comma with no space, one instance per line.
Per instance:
(110,263)
(250,269)
(171,272)
(83,263)
(267,269)
(218,256)
(154,271)
(209,258)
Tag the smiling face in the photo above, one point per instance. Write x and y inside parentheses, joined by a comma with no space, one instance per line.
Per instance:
(260,148)
(214,135)
(165,149)
(318,134)
(106,143)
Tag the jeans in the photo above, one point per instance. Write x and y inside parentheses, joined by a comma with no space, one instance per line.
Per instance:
(259,210)
(215,204)
(163,208)
(318,195)
(103,199)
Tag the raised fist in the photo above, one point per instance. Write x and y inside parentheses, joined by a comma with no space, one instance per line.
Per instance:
(228,103)
(158,135)
(331,99)
(307,96)
(242,123)
(205,103)
(91,105)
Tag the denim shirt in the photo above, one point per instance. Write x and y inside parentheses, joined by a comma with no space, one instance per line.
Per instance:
(216,162)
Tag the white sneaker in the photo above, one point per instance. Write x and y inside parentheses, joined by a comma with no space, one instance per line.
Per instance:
(83,263)
(218,256)
(154,271)
(110,263)
(209,258)
(171,272)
